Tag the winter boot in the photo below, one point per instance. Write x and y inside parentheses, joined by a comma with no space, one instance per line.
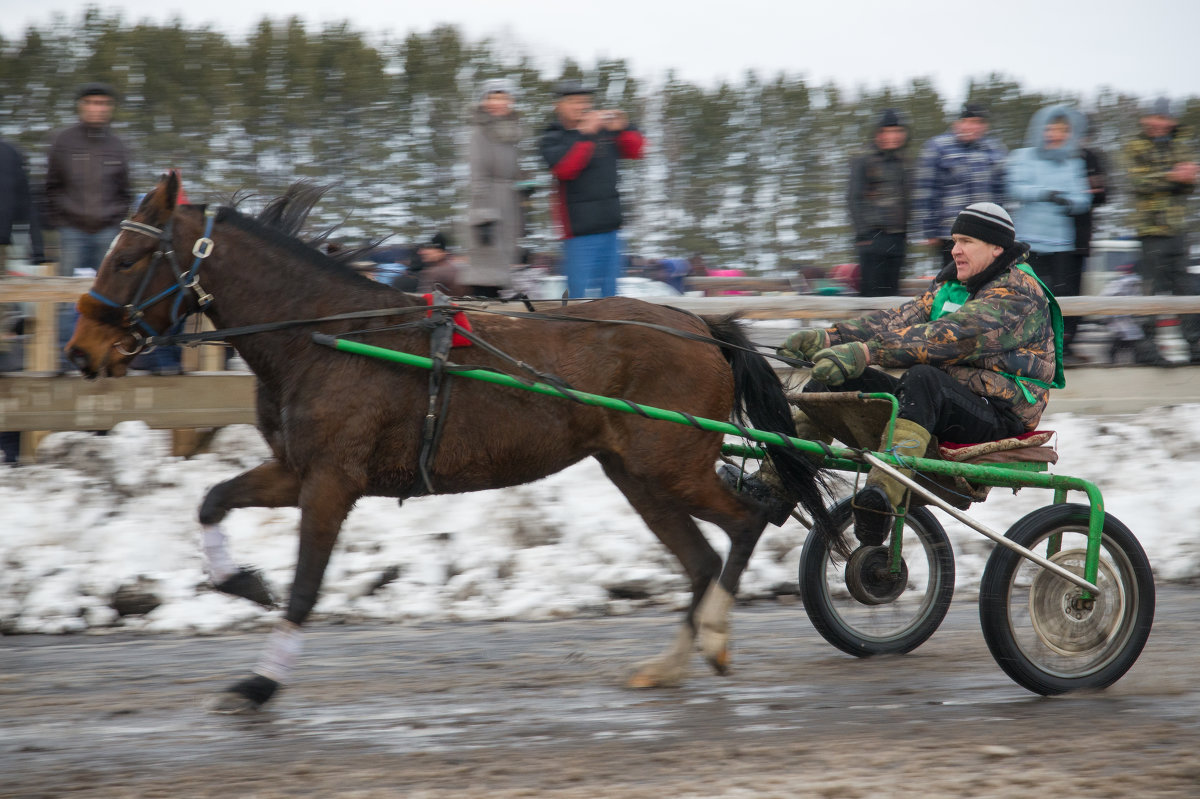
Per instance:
(765,485)
(875,505)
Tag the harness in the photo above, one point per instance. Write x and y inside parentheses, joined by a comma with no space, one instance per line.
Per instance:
(952,295)
(136,307)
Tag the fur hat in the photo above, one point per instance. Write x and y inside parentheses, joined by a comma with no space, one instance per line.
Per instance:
(987,222)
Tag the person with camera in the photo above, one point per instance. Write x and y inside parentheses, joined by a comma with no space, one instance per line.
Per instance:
(582,147)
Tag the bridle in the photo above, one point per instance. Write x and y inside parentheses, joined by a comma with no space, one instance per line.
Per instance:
(189,280)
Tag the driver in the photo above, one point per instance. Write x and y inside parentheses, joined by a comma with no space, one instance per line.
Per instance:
(981,348)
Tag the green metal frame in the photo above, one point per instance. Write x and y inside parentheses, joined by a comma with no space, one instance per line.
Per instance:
(1014,475)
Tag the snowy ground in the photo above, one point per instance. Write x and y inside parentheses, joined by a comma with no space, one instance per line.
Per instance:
(99,513)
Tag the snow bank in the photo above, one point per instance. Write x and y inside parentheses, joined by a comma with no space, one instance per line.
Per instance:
(101,513)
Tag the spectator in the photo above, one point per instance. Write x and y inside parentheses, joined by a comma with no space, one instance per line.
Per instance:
(1097,175)
(1162,173)
(581,147)
(433,268)
(955,169)
(1048,180)
(87,181)
(16,206)
(878,198)
(494,214)
(87,188)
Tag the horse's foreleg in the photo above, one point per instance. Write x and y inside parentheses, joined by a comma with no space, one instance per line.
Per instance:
(268,485)
(324,504)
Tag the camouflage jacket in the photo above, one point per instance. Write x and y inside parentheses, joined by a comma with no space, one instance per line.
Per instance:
(1005,326)
(1160,205)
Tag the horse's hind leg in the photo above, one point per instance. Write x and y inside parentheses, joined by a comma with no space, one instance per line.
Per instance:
(324,503)
(268,485)
(744,524)
(668,519)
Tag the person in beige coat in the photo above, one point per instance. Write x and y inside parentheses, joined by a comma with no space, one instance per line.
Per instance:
(494,213)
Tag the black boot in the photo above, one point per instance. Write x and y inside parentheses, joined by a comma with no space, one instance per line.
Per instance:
(873,514)
(779,509)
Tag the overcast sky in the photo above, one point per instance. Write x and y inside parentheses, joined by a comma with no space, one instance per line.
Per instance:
(1144,47)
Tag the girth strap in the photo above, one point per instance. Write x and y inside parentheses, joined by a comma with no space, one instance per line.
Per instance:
(439,352)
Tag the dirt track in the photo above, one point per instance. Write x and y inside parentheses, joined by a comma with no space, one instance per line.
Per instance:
(537,709)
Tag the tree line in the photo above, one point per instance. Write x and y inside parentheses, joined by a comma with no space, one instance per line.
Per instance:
(750,173)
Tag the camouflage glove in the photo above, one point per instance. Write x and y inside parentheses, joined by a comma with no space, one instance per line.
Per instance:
(803,344)
(835,365)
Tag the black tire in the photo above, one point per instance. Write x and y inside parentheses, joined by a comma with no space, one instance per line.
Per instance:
(893,624)
(1036,636)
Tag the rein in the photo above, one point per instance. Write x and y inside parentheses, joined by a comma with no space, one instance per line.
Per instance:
(136,307)
(216,336)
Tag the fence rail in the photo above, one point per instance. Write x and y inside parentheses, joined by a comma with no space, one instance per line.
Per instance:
(39,400)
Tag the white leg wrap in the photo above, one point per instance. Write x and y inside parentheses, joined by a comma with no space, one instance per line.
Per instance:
(283,649)
(712,619)
(217,559)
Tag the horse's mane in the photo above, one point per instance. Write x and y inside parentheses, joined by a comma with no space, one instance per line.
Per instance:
(279,224)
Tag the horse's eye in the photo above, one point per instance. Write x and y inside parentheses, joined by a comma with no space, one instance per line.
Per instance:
(124,263)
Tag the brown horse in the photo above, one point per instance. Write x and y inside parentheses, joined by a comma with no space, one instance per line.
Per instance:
(343,426)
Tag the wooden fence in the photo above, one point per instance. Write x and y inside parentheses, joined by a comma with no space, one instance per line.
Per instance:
(39,399)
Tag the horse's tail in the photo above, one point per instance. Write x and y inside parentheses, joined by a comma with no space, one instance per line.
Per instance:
(759,402)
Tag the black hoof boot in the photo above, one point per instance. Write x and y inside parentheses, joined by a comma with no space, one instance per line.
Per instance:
(248,584)
(779,510)
(873,515)
(246,696)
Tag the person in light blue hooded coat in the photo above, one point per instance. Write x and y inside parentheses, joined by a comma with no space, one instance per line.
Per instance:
(1047,180)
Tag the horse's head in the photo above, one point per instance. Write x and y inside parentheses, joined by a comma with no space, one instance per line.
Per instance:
(132,297)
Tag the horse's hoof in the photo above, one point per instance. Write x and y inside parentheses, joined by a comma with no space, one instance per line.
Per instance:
(248,584)
(246,696)
(654,675)
(232,704)
(719,661)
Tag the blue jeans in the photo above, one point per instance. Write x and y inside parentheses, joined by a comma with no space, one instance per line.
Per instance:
(81,250)
(592,264)
(78,250)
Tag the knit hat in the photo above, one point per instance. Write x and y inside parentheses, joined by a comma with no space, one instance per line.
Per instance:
(891,118)
(95,88)
(987,222)
(566,88)
(437,241)
(973,110)
(1161,107)
(496,85)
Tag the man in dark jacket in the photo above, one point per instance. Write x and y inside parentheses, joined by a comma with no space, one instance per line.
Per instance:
(981,350)
(878,201)
(87,181)
(581,147)
(16,205)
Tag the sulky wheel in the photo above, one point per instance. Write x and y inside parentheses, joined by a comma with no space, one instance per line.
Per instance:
(1038,626)
(863,606)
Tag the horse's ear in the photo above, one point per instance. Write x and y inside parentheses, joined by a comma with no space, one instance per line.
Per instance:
(171,185)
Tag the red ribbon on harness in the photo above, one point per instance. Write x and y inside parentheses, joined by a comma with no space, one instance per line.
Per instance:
(460,319)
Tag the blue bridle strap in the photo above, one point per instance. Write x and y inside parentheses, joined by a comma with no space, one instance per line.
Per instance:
(200,250)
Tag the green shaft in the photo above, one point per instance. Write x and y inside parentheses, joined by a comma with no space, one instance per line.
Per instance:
(625,406)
